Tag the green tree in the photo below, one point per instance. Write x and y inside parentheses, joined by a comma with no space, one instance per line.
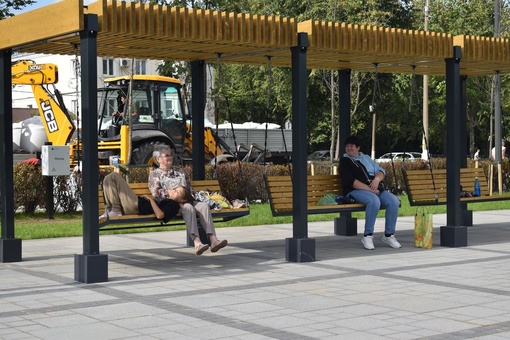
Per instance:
(7,6)
(474,17)
(399,126)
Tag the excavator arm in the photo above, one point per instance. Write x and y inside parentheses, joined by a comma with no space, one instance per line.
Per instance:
(56,120)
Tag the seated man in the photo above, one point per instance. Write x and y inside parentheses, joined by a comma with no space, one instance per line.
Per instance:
(121,200)
(118,116)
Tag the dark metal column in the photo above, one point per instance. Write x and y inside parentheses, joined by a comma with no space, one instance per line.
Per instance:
(10,247)
(299,248)
(197,120)
(345,225)
(91,266)
(453,235)
(466,218)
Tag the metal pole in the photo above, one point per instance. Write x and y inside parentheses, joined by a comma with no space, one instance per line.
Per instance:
(425,140)
(10,247)
(497,103)
(299,248)
(197,118)
(91,266)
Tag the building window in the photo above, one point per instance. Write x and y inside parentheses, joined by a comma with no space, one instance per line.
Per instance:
(108,67)
(141,67)
(112,107)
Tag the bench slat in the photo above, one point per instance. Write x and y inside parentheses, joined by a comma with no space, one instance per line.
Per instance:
(280,191)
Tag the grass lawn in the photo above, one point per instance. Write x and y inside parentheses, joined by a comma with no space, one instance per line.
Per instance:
(66,225)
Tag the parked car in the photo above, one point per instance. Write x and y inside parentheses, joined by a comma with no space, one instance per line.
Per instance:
(322,155)
(399,156)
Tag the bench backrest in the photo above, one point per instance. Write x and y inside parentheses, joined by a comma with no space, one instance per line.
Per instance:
(423,186)
(280,191)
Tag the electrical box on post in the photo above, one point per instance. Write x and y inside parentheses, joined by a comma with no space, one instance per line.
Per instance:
(55,160)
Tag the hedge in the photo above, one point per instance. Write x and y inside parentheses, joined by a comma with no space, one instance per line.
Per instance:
(238,180)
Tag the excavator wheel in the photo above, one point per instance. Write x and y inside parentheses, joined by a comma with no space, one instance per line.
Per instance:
(143,154)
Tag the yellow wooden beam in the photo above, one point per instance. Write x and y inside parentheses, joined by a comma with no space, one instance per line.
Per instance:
(59,19)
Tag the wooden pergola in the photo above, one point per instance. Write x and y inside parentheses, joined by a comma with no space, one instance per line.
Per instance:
(119,29)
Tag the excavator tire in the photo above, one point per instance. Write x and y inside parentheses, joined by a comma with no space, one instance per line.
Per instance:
(143,154)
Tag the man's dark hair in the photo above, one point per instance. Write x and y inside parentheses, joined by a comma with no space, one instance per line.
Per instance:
(353,140)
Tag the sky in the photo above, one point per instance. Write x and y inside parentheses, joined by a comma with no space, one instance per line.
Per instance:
(43,3)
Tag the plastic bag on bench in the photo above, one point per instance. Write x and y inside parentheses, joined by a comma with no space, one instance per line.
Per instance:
(328,199)
(333,199)
(203,196)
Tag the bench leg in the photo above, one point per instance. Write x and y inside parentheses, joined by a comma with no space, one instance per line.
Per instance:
(91,268)
(300,249)
(453,236)
(346,226)
(466,218)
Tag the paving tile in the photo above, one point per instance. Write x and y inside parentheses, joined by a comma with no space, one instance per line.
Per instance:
(158,289)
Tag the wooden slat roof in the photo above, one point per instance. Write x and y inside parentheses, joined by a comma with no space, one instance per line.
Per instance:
(130,30)
(360,47)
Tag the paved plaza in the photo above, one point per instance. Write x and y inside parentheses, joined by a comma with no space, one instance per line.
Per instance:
(158,288)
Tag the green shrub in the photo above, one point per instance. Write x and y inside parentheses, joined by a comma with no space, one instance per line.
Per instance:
(29,187)
(237,180)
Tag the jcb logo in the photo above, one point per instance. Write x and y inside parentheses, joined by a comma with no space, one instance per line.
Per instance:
(49,116)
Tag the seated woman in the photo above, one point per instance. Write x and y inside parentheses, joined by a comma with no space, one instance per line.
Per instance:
(361,179)
(164,180)
(121,200)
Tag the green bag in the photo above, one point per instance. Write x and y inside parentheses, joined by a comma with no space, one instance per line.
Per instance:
(328,199)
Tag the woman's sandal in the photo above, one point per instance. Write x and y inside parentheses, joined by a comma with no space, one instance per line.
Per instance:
(200,248)
(218,245)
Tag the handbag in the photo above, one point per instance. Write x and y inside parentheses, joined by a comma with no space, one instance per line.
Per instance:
(381,187)
(344,199)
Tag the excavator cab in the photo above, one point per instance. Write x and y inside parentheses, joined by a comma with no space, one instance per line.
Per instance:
(152,113)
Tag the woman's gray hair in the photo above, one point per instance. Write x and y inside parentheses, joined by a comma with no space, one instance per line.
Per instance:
(158,150)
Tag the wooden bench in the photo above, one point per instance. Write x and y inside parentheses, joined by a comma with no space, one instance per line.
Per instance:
(280,192)
(150,221)
(429,188)
(426,188)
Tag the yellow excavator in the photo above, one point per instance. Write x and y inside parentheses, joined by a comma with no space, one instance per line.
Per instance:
(56,120)
(135,114)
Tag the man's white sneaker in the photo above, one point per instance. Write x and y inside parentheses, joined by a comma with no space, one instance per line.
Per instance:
(391,241)
(368,242)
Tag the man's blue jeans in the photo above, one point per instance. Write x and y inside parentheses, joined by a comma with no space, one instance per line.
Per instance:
(373,204)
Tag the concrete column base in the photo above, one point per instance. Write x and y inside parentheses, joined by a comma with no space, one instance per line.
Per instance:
(10,250)
(453,236)
(300,250)
(91,268)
